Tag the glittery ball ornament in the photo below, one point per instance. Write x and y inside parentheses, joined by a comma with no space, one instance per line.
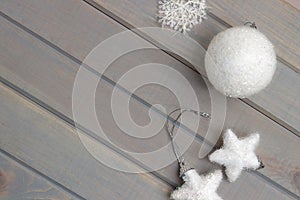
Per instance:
(240,61)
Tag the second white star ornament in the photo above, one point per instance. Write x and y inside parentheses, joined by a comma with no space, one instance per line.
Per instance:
(237,154)
(198,187)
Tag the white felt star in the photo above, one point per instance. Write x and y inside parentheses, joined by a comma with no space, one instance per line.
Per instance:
(197,187)
(237,154)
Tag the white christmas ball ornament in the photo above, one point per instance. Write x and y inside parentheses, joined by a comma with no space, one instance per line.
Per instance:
(240,61)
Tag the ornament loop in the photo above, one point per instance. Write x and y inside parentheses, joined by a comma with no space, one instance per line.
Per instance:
(183,168)
(261,166)
(251,24)
(170,130)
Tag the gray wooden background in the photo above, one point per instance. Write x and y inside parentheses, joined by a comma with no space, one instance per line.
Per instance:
(42,44)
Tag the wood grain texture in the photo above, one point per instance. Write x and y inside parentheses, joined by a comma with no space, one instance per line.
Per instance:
(35,133)
(294,3)
(17,182)
(270,101)
(244,120)
(52,147)
(271,17)
(59,72)
(275,101)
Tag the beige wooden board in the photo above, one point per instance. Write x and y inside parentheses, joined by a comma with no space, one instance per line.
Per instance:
(64,30)
(55,71)
(17,182)
(50,146)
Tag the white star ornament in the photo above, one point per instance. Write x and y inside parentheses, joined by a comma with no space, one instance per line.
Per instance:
(199,187)
(237,154)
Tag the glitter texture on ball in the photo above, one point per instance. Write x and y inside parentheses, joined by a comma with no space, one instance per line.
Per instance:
(240,62)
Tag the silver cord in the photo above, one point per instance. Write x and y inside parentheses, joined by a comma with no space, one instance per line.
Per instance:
(261,166)
(182,163)
(175,147)
(251,24)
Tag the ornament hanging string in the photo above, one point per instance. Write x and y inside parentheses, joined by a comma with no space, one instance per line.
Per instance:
(251,24)
(195,186)
(170,129)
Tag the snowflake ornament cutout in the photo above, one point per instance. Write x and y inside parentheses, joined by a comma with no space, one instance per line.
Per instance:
(199,187)
(181,15)
(237,154)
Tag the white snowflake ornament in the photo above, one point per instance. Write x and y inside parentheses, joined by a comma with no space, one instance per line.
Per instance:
(237,154)
(181,15)
(198,187)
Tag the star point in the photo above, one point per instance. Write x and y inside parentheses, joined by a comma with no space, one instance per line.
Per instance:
(199,187)
(237,154)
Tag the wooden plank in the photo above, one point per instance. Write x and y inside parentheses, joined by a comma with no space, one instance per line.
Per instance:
(17,182)
(244,120)
(294,3)
(53,148)
(279,104)
(32,139)
(275,101)
(61,86)
(58,96)
(284,35)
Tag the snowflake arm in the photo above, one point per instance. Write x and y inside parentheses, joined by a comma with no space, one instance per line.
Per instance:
(181,15)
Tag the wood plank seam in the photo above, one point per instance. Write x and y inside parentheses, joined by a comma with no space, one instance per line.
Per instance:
(283,108)
(97,138)
(77,60)
(56,112)
(289,121)
(19,182)
(88,133)
(40,174)
(92,135)
(179,59)
(41,112)
(278,186)
(293,3)
(272,117)
(147,38)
